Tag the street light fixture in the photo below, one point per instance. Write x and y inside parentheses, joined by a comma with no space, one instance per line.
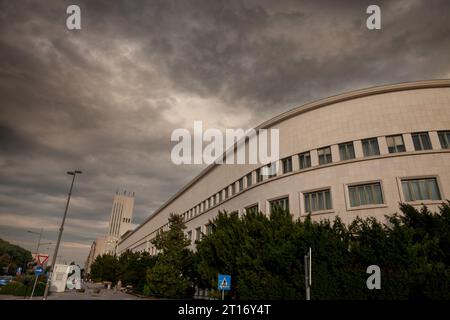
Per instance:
(55,254)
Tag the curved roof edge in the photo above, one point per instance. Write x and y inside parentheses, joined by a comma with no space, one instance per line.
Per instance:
(355,94)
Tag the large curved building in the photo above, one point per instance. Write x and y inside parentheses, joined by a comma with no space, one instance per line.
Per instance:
(354,154)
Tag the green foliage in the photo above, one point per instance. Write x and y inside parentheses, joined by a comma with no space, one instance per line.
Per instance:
(105,268)
(12,256)
(265,255)
(133,267)
(171,275)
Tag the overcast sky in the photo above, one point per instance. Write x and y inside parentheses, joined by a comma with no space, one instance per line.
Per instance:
(105,99)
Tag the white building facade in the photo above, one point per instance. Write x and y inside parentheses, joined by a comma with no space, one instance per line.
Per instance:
(98,248)
(355,154)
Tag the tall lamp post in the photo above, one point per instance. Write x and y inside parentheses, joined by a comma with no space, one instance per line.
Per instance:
(55,254)
(39,241)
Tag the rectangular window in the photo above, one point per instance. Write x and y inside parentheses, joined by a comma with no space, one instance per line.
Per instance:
(213,200)
(198,234)
(233,189)
(272,170)
(420,189)
(324,155)
(365,194)
(318,201)
(241,184)
(421,141)
(249,180)
(209,203)
(370,147)
(252,209)
(209,229)
(304,160)
(259,176)
(226,193)
(189,235)
(444,139)
(346,151)
(282,203)
(395,144)
(287,165)
(220,196)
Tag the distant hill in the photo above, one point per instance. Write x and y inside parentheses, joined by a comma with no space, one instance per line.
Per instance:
(12,256)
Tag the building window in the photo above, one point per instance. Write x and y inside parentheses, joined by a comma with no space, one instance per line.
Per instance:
(198,234)
(271,170)
(259,176)
(282,203)
(395,144)
(213,200)
(249,180)
(233,189)
(209,229)
(420,189)
(226,193)
(365,194)
(346,151)
(304,160)
(421,141)
(324,155)
(241,184)
(318,201)
(287,165)
(220,196)
(209,203)
(444,139)
(370,147)
(189,235)
(252,209)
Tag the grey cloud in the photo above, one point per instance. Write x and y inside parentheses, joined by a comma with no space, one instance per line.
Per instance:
(102,99)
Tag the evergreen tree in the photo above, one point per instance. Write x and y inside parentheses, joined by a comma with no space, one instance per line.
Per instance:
(170,276)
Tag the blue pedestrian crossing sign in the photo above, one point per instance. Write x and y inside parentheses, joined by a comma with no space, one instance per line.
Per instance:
(38,270)
(224,282)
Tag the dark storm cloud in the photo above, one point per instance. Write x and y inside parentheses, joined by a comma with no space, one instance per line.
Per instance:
(106,99)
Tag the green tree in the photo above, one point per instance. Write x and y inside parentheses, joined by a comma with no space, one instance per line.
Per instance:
(265,255)
(12,256)
(105,268)
(133,267)
(170,276)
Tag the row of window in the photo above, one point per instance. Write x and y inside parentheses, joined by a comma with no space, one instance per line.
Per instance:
(370,147)
(359,195)
(364,195)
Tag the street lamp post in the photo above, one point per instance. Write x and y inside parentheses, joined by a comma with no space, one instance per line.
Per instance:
(39,241)
(55,254)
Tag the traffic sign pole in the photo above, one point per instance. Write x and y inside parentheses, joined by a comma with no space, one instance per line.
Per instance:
(34,287)
(37,272)
(308,274)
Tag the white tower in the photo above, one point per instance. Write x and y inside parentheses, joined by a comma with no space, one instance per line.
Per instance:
(121,217)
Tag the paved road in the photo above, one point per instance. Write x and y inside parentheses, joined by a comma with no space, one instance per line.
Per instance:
(89,294)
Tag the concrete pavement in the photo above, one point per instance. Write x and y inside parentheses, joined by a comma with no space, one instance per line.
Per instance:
(91,293)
